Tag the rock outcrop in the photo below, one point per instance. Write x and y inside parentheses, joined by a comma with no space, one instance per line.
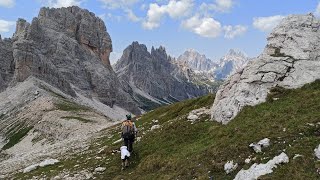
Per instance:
(290,60)
(68,48)
(154,76)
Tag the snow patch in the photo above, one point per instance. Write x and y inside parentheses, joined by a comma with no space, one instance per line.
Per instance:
(257,170)
(44,163)
(317,152)
(230,166)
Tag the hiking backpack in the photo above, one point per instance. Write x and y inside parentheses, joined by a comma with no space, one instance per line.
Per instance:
(127,129)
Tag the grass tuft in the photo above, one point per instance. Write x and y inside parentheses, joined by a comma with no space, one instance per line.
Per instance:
(70,106)
(16,138)
(78,118)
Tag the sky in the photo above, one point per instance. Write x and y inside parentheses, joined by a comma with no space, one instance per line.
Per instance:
(211,27)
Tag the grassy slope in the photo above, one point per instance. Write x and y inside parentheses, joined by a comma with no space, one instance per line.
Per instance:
(183,150)
(17,137)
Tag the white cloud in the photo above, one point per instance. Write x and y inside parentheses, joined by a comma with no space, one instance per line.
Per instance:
(218,5)
(131,16)
(233,31)
(154,16)
(124,5)
(317,12)
(175,9)
(109,16)
(64,3)
(115,4)
(266,24)
(6,26)
(7,3)
(205,27)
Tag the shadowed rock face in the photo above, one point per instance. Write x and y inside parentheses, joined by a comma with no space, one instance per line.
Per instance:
(155,74)
(6,63)
(68,48)
(290,60)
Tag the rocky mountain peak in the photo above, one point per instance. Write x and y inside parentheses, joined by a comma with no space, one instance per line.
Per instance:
(80,24)
(230,63)
(236,52)
(135,47)
(195,60)
(69,49)
(289,60)
(153,76)
(160,52)
(234,55)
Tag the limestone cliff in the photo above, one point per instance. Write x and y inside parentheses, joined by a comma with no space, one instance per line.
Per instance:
(290,60)
(68,48)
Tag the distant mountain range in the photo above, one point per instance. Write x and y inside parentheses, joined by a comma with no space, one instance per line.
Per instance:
(232,62)
(154,78)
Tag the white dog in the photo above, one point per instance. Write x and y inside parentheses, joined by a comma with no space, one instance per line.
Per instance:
(125,154)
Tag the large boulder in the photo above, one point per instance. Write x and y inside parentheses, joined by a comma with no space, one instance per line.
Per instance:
(290,60)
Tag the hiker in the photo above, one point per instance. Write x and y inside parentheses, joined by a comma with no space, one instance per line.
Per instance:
(129,132)
(125,154)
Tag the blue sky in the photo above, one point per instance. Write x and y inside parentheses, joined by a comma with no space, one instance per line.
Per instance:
(210,26)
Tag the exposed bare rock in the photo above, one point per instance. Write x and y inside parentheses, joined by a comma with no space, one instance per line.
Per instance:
(68,48)
(153,77)
(57,87)
(290,60)
(196,61)
(6,62)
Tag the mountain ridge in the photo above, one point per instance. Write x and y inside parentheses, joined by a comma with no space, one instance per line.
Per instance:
(230,63)
(155,74)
